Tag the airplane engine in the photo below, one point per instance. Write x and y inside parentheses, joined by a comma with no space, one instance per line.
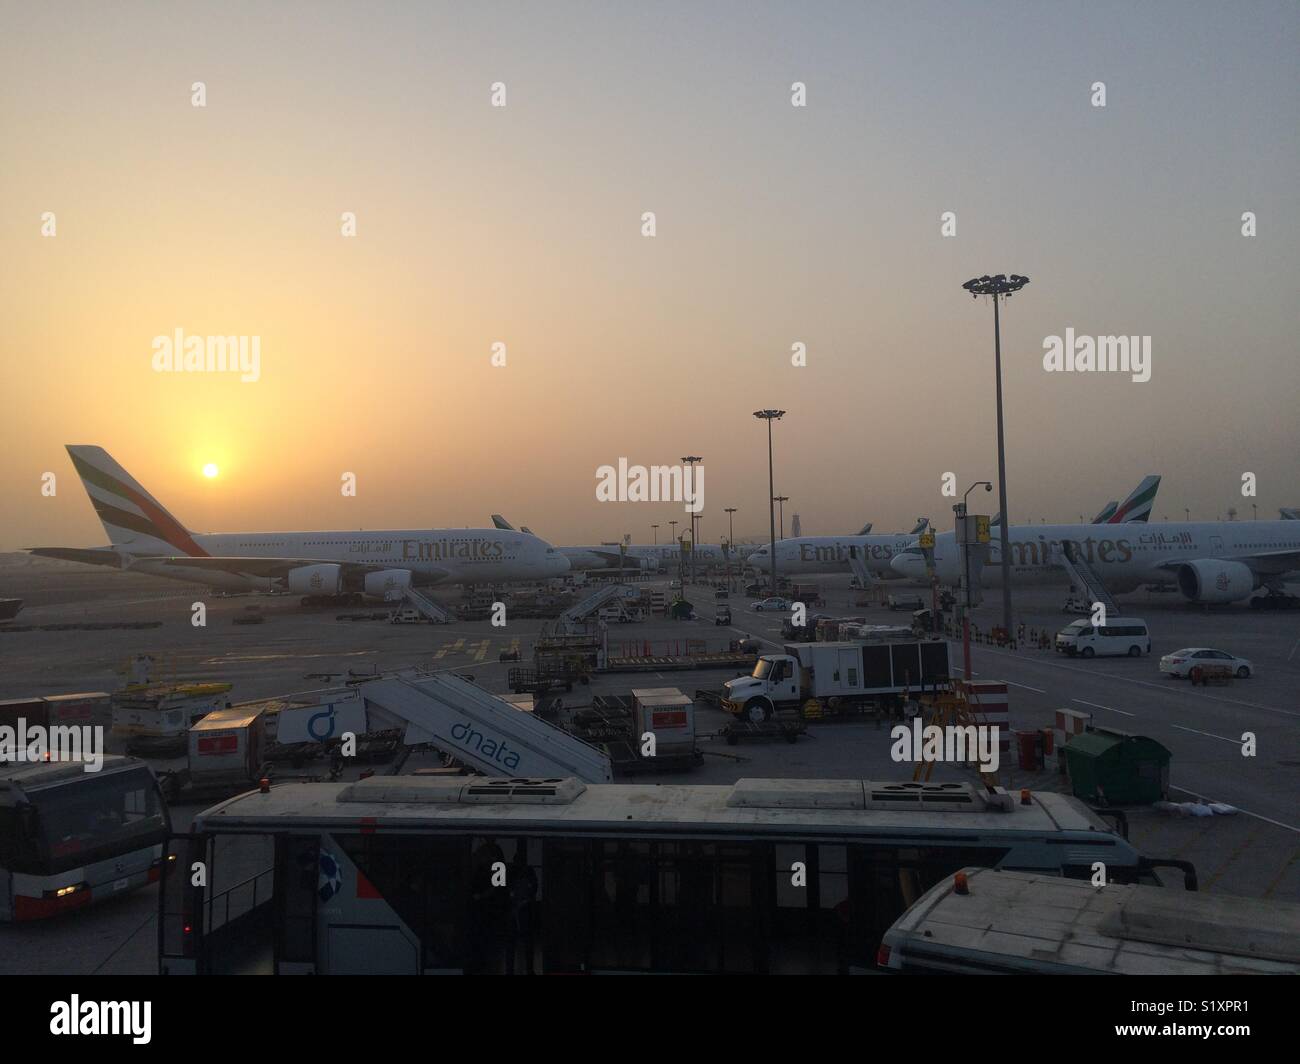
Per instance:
(321,579)
(386,580)
(1216,582)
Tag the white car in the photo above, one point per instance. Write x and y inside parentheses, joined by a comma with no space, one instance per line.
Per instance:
(772,604)
(1182,662)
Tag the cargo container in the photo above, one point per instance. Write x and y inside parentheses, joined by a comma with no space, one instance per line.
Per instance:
(86,709)
(668,715)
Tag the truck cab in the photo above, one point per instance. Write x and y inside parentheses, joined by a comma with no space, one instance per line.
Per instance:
(775,679)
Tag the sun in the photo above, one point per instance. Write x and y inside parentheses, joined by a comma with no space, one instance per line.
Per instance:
(210,470)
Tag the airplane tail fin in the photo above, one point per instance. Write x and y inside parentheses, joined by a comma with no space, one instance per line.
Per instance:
(865,530)
(1107,512)
(500,522)
(922,523)
(1289,513)
(135,521)
(1138,506)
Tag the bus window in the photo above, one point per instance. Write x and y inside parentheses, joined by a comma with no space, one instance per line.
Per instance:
(297,887)
(623,916)
(566,904)
(887,880)
(736,884)
(833,913)
(96,816)
(686,927)
(489,905)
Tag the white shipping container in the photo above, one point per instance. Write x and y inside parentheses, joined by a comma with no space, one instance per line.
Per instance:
(668,715)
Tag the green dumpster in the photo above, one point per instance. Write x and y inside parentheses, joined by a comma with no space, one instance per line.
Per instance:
(1117,768)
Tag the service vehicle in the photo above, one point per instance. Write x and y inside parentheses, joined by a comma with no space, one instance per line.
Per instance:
(905,601)
(723,616)
(1117,637)
(153,719)
(775,603)
(70,837)
(394,874)
(841,676)
(1180,663)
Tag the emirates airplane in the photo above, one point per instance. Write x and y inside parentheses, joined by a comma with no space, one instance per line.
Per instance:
(145,538)
(810,555)
(1208,561)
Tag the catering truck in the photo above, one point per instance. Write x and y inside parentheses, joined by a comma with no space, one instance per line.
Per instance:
(817,677)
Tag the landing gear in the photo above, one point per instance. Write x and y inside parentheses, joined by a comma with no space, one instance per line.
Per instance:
(1275,600)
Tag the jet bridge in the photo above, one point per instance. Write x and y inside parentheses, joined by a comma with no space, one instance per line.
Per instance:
(425,605)
(1084,576)
(478,728)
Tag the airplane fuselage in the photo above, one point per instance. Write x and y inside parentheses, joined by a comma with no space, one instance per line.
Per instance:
(1124,556)
(431,555)
(810,555)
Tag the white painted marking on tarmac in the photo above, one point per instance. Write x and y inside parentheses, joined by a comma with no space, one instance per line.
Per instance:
(1293,650)
(1096,705)
(1026,686)
(1210,735)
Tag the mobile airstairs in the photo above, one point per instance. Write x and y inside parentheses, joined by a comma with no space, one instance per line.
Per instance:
(1083,576)
(573,619)
(477,728)
(427,607)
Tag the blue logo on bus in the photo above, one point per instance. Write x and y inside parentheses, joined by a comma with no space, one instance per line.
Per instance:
(331,876)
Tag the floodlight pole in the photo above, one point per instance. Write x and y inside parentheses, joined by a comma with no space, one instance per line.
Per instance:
(1000,287)
(769,416)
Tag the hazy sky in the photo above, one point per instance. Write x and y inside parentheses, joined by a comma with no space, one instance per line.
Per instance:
(776,225)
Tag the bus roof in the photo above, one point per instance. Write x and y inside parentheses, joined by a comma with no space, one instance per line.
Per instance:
(20,775)
(1018,921)
(761,806)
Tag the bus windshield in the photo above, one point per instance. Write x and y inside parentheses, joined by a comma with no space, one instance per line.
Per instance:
(91,818)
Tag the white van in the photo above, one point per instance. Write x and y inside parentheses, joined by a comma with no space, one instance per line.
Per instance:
(1120,635)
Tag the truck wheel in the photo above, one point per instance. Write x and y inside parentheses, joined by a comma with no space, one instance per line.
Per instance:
(1134,652)
(1087,652)
(758,710)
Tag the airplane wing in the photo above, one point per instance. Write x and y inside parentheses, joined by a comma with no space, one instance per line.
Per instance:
(87,556)
(279,567)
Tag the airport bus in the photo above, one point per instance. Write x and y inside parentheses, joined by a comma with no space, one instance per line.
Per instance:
(70,838)
(425,874)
